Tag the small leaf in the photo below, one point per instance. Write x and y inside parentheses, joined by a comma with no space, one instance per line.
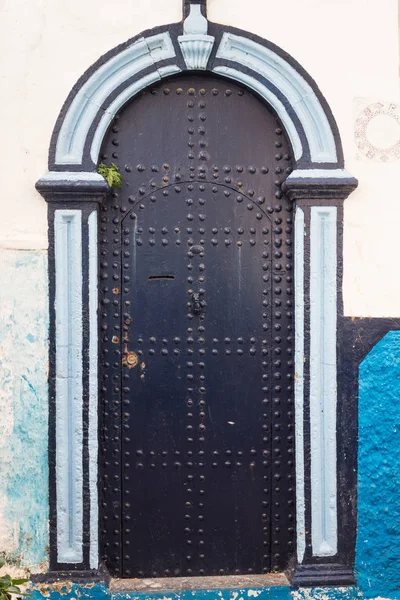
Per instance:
(6,579)
(110,174)
(117,177)
(19,581)
(13,589)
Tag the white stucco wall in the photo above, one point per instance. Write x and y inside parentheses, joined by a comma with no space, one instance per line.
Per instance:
(350,47)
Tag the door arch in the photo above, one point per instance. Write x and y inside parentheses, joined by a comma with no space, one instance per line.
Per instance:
(325,506)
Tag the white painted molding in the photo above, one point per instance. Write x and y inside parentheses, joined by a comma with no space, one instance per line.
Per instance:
(72,176)
(69,434)
(143,53)
(299,381)
(272,99)
(195,44)
(323,379)
(196,50)
(319,174)
(93,392)
(123,97)
(195,23)
(292,85)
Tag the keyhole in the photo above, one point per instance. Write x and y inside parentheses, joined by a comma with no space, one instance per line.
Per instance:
(160,277)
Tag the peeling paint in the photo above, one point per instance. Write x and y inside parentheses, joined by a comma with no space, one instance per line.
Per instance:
(99,591)
(23,407)
(61,587)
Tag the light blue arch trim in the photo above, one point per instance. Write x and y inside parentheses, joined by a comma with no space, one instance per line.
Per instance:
(291,84)
(272,99)
(299,234)
(145,53)
(142,54)
(120,100)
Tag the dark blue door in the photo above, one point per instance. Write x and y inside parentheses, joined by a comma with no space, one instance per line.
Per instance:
(204,423)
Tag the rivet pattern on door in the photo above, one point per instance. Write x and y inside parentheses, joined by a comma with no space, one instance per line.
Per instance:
(197,285)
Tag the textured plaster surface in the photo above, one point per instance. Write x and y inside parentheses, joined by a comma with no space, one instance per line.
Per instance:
(23,407)
(378,545)
(59,591)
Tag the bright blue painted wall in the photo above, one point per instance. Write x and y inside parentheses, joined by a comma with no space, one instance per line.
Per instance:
(100,592)
(378,541)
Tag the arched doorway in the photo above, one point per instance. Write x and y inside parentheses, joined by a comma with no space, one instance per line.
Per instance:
(325,478)
(196,271)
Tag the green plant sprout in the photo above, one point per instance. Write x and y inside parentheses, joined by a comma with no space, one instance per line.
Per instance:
(10,586)
(110,174)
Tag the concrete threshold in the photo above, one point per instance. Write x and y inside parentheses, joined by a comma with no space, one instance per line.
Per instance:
(176,584)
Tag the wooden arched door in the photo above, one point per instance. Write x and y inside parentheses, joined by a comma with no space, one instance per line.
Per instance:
(197,335)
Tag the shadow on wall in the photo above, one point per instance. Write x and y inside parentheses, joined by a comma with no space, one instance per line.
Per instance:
(378,539)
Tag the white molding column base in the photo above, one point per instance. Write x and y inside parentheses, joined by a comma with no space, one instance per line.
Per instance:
(319,198)
(323,379)
(73,202)
(69,434)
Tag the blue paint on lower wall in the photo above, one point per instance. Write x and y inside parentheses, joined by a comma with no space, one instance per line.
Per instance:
(66,591)
(272,593)
(24,408)
(378,540)
(23,469)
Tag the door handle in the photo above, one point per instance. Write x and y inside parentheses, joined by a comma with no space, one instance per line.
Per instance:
(197,304)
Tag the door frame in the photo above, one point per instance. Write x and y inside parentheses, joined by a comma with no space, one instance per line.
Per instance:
(326,461)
